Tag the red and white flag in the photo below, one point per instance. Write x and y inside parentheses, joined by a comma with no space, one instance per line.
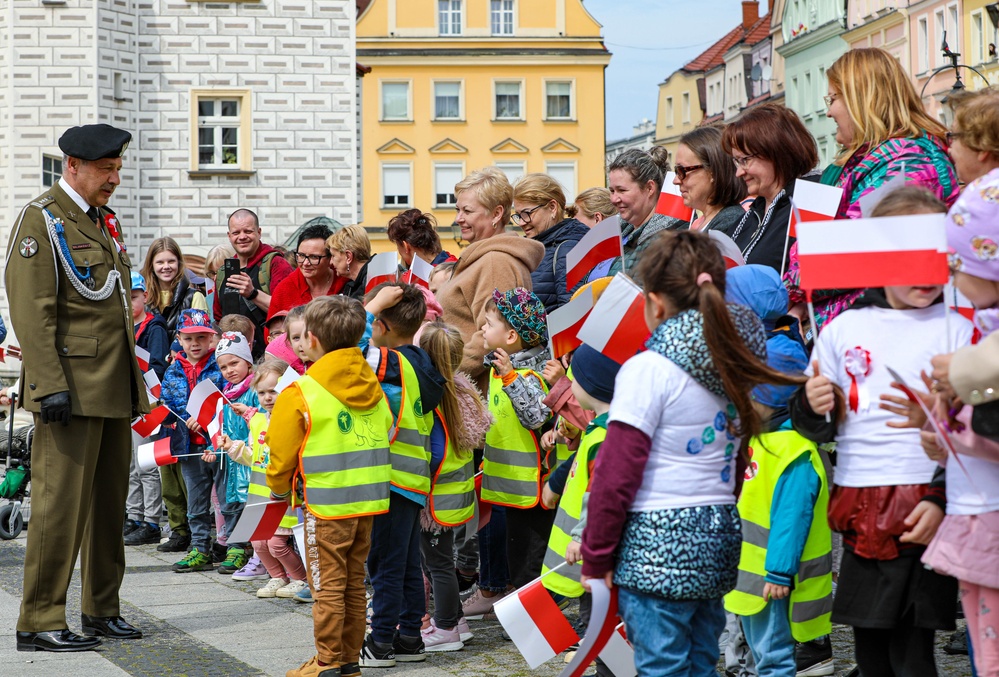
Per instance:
(535,623)
(214,428)
(419,272)
(148,424)
(813,202)
(859,253)
(729,249)
(203,403)
(616,325)
(671,202)
(142,356)
(564,323)
(602,626)
(383,267)
(154,455)
(287,378)
(601,243)
(618,655)
(152,383)
(258,522)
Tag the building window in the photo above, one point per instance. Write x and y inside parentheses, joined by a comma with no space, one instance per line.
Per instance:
(501,17)
(218,132)
(513,170)
(807,96)
(953,32)
(449,16)
(685,106)
(939,27)
(558,100)
(51,170)
(977,38)
(395,101)
(923,45)
(565,174)
(445,178)
(508,101)
(669,111)
(397,181)
(447,100)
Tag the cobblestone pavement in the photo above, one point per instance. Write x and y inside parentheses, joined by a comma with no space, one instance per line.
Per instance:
(203,624)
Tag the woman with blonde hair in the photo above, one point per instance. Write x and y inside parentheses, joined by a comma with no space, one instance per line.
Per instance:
(215,257)
(591,206)
(884,132)
(350,251)
(170,290)
(539,209)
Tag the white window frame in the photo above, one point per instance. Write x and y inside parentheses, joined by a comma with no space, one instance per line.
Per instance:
(54,172)
(807,92)
(794,94)
(450,8)
(939,25)
(521,102)
(669,111)
(409,100)
(503,13)
(977,39)
(570,191)
(519,169)
(219,123)
(572,98)
(408,166)
(685,107)
(922,44)
(953,28)
(450,199)
(461,99)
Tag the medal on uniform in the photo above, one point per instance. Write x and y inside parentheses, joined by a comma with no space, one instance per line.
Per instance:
(91,283)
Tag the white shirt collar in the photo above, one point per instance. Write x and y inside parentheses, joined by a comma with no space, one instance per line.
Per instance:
(74,196)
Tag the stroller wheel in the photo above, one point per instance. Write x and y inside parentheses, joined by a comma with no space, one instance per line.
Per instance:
(10,524)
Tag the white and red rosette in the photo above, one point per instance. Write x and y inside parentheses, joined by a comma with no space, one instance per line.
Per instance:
(858,367)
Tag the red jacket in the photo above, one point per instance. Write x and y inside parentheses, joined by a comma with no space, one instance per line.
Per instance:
(280,269)
(294,291)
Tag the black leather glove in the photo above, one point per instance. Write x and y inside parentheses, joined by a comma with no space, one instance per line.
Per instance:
(57,407)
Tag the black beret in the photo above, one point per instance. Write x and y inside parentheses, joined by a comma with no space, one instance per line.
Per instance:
(94,142)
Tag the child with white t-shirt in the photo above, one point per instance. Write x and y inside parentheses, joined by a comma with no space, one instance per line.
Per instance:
(887,499)
(662,523)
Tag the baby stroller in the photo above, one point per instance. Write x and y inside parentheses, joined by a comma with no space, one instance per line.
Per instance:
(15,486)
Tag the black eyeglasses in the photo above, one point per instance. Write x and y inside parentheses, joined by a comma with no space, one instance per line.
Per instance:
(523,218)
(314,259)
(953,135)
(681,171)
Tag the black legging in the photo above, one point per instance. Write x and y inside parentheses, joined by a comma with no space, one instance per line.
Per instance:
(904,651)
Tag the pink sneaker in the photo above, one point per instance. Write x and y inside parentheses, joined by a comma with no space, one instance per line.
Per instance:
(478,606)
(464,632)
(438,639)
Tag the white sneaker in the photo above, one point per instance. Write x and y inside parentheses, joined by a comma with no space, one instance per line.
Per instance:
(270,590)
(292,589)
(464,631)
(439,639)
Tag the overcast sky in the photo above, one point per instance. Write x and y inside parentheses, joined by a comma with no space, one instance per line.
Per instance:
(669,33)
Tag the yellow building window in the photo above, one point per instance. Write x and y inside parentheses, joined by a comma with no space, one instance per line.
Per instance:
(565,174)
(397,185)
(501,17)
(447,101)
(449,17)
(669,111)
(559,100)
(508,100)
(395,101)
(445,178)
(220,126)
(685,103)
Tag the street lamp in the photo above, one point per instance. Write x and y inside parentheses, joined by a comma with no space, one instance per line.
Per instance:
(958,85)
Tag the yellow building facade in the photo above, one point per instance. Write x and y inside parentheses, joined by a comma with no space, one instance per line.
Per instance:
(679,110)
(457,85)
(981,37)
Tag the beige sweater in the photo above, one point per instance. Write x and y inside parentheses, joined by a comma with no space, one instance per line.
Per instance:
(503,261)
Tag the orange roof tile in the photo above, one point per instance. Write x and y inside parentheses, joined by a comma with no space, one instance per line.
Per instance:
(759,32)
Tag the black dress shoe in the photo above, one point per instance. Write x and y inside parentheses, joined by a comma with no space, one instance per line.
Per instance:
(55,640)
(112,627)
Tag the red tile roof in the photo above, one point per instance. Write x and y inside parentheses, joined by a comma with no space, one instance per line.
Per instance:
(759,32)
(714,55)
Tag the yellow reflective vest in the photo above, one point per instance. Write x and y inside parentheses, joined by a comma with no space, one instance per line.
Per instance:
(811,593)
(565,581)
(258,491)
(452,496)
(345,461)
(511,457)
(410,443)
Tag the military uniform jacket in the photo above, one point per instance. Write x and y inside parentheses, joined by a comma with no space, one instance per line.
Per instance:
(68,342)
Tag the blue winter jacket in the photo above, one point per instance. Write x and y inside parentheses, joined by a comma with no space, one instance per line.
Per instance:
(548,279)
(175,392)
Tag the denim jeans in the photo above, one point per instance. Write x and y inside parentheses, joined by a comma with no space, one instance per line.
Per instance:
(768,634)
(200,477)
(672,638)
(396,571)
(494,576)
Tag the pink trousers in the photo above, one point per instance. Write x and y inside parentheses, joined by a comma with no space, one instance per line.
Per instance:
(981,610)
(278,557)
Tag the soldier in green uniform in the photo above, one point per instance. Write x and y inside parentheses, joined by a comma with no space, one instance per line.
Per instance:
(67,284)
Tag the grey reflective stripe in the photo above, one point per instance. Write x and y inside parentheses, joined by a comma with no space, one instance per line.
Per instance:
(462,474)
(812,568)
(553,559)
(564,521)
(754,534)
(258,478)
(802,612)
(348,460)
(502,485)
(413,466)
(359,493)
(412,438)
(751,584)
(453,501)
(520,459)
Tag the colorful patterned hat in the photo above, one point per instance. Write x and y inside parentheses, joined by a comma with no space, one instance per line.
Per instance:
(525,313)
(194,321)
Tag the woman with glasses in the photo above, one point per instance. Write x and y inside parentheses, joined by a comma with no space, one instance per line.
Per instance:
(350,254)
(313,277)
(707,180)
(884,132)
(974,136)
(539,210)
(770,148)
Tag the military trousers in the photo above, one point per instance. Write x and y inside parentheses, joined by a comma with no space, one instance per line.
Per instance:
(79,480)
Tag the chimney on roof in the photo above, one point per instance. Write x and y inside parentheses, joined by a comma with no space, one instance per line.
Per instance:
(750,13)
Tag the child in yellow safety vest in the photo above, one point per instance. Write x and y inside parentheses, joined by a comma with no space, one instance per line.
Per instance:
(283,565)
(568,486)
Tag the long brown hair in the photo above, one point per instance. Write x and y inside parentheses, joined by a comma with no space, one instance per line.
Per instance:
(153,284)
(443,343)
(670,267)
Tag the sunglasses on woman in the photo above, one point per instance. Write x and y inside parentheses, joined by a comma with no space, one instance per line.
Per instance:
(681,171)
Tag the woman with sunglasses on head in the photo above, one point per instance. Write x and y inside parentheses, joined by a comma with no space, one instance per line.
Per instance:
(707,180)
(539,210)
(771,148)
(313,277)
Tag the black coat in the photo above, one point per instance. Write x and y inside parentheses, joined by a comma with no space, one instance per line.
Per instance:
(548,279)
(183,294)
